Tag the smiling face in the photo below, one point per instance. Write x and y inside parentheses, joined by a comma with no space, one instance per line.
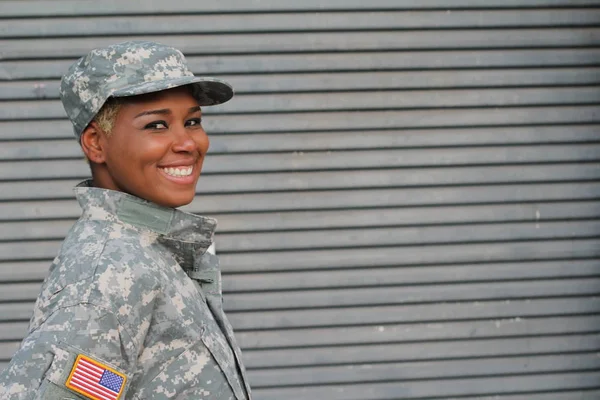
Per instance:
(155,150)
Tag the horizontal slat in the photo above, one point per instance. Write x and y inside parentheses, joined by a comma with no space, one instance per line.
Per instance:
(420,294)
(28,231)
(7,349)
(28,271)
(552,395)
(330,180)
(348,101)
(407,236)
(386,236)
(39,8)
(405,139)
(310,42)
(388,256)
(356,354)
(370,62)
(368,218)
(346,81)
(472,330)
(438,350)
(359,120)
(364,315)
(398,333)
(409,276)
(276,241)
(358,199)
(13,330)
(328,200)
(486,387)
(404,216)
(412,99)
(400,119)
(19,292)
(11,168)
(14,169)
(359,258)
(286,22)
(16,311)
(388,295)
(424,370)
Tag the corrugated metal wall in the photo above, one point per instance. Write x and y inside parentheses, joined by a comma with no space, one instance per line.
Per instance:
(407,190)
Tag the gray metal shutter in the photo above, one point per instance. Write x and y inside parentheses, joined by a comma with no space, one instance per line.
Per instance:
(407,190)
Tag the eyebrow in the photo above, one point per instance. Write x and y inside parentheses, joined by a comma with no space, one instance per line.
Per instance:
(166,111)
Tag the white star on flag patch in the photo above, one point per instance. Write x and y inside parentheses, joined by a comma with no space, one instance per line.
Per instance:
(95,380)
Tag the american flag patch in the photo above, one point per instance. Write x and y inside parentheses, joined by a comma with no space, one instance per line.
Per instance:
(95,380)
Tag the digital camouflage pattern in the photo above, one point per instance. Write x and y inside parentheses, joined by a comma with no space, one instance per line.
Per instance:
(136,287)
(129,69)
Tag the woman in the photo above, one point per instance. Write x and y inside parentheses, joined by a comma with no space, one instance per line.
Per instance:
(132,306)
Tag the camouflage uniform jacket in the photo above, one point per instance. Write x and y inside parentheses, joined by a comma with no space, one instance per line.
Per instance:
(136,288)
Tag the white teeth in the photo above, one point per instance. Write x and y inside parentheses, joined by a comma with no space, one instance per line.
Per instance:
(185,171)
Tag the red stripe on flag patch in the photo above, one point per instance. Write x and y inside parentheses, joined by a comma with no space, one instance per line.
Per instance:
(95,380)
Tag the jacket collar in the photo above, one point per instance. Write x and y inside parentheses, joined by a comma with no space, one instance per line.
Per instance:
(119,207)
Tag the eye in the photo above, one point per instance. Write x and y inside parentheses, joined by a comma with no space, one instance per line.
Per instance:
(193,122)
(156,125)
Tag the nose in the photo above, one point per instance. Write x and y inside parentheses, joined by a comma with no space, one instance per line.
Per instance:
(183,141)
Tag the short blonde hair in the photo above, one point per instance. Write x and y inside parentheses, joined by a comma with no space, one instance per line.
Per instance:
(107,115)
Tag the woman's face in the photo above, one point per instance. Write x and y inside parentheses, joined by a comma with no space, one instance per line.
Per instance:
(156,148)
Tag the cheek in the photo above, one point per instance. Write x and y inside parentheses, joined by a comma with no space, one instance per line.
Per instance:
(150,150)
(133,154)
(203,143)
(116,151)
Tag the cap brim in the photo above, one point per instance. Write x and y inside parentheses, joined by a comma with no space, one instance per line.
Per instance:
(208,91)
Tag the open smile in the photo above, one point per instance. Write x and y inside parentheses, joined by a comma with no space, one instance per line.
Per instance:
(180,174)
(178,171)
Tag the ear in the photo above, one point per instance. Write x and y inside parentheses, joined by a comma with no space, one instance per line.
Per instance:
(93,143)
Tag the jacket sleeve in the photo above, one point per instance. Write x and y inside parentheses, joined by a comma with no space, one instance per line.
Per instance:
(41,367)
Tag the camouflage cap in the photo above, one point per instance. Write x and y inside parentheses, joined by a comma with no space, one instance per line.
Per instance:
(129,69)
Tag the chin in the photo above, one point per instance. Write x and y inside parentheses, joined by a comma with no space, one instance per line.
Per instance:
(175,201)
